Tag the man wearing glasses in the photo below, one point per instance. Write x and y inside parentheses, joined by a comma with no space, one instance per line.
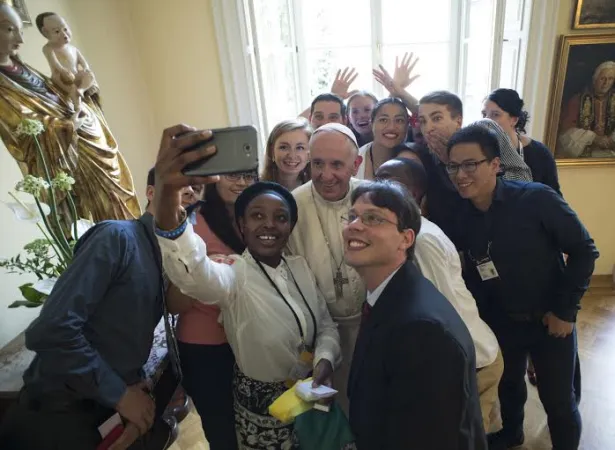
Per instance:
(512,235)
(440,116)
(413,377)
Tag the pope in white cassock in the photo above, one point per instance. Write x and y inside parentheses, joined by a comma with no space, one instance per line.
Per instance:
(318,235)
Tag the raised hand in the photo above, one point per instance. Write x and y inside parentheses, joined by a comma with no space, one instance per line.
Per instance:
(342,82)
(385,79)
(172,158)
(403,73)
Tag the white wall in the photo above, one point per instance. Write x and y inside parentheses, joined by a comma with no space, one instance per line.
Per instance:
(101,29)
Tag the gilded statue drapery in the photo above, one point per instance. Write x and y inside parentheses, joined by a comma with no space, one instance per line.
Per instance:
(103,184)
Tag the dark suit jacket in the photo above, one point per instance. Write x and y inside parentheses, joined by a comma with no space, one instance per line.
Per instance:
(413,378)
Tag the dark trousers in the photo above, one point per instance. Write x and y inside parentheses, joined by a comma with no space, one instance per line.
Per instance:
(554,360)
(208,380)
(43,427)
(52,424)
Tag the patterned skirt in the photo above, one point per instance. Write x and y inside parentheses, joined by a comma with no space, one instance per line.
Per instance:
(256,429)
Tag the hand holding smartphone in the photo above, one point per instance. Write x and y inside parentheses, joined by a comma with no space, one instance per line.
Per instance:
(236,151)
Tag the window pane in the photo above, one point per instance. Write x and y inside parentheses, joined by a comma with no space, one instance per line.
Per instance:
(323,64)
(405,21)
(478,54)
(279,87)
(510,56)
(336,23)
(433,66)
(273,29)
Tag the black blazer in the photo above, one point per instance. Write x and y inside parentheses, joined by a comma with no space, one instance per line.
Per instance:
(413,377)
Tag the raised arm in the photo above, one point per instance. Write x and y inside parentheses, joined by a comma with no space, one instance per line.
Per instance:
(340,87)
(398,83)
(184,253)
(56,335)
(189,268)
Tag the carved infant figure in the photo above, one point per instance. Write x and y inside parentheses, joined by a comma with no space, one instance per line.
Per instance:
(69,69)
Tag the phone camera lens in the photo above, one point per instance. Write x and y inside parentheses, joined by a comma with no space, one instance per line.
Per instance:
(247,148)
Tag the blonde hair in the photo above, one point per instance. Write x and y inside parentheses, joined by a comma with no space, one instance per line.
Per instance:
(270,170)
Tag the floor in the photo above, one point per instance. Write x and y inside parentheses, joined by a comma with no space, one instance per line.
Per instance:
(596,330)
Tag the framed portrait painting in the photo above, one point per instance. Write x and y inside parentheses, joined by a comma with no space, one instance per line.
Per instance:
(20,7)
(581,129)
(594,14)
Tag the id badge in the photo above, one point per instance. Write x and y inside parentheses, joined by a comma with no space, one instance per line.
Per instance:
(303,367)
(487,270)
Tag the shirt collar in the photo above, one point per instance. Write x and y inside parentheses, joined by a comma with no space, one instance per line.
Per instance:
(373,296)
(336,204)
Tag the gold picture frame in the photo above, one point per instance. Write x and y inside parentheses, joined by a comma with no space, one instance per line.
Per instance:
(592,14)
(570,134)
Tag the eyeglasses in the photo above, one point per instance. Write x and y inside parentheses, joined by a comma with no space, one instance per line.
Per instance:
(466,166)
(368,219)
(248,177)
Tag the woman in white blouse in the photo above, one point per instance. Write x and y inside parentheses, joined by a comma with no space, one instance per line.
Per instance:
(276,320)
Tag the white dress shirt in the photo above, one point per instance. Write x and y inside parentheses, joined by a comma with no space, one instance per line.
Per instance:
(372,297)
(260,327)
(438,261)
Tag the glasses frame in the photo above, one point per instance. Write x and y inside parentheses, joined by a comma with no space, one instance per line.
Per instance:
(381,220)
(465,166)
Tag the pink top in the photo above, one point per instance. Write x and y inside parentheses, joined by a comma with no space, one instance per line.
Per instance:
(200,324)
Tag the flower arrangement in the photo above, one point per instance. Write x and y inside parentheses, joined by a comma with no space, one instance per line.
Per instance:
(46,257)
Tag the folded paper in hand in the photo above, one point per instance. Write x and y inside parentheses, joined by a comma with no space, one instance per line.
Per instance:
(306,392)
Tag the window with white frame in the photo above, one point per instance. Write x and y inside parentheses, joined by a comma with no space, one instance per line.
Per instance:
(293,48)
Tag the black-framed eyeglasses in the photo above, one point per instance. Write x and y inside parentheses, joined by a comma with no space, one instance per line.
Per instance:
(248,177)
(368,219)
(466,166)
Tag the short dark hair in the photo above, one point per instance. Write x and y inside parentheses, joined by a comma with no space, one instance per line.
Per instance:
(390,101)
(396,198)
(405,147)
(476,134)
(40,20)
(151,177)
(416,174)
(445,98)
(510,102)
(328,97)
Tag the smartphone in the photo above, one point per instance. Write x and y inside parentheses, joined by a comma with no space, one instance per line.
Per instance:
(237,151)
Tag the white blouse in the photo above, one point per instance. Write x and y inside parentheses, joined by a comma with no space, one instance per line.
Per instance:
(259,325)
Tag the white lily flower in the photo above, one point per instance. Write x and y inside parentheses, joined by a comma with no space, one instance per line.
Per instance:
(45,286)
(28,212)
(83,225)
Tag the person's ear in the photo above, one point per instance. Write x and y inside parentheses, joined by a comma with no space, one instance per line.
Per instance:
(495,164)
(242,225)
(149,193)
(357,163)
(408,238)
(459,120)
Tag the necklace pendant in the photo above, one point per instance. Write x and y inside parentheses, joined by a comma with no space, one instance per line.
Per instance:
(339,281)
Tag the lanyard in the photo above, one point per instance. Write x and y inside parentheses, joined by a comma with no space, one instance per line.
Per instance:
(288,304)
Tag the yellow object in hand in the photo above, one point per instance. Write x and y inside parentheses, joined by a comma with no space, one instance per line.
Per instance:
(288,405)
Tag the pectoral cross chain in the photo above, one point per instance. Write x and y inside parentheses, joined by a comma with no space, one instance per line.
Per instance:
(339,281)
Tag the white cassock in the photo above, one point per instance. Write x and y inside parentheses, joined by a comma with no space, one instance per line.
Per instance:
(324,255)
